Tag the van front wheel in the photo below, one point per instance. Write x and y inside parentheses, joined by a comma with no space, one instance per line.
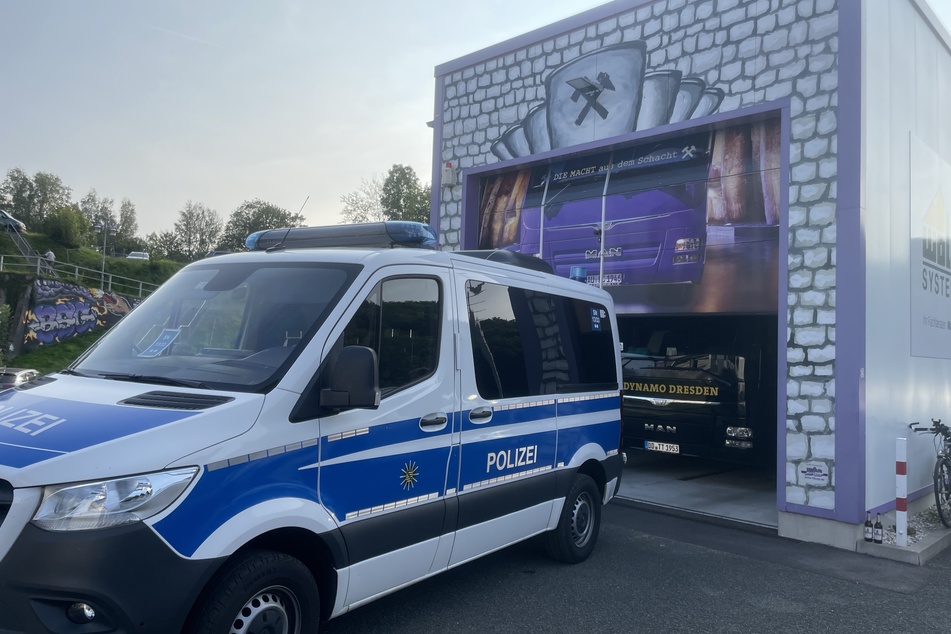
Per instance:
(574,538)
(261,592)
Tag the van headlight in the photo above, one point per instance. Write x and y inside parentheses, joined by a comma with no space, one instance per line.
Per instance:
(93,505)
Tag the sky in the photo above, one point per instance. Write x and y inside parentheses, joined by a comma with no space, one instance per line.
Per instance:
(221,101)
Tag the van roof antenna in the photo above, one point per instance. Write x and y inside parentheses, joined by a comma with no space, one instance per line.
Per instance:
(280,245)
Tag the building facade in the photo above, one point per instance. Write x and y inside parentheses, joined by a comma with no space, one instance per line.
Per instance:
(820,127)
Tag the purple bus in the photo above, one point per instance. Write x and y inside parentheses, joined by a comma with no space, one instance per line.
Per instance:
(635,215)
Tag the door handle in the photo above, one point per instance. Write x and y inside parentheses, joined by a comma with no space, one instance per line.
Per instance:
(433,422)
(480,415)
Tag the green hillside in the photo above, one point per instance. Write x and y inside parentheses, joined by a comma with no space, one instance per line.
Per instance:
(152,272)
(54,358)
(83,266)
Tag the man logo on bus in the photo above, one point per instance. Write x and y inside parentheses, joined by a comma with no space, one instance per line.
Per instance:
(610,252)
(586,88)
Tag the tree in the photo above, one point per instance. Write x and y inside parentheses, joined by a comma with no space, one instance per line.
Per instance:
(49,194)
(197,230)
(128,226)
(363,205)
(98,210)
(164,246)
(32,200)
(15,192)
(403,197)
(68,226)
(255,215)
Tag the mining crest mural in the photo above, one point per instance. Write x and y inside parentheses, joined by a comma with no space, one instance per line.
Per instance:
(62,310)
(606,93)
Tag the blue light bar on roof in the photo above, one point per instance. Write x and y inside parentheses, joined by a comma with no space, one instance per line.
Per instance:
(391,233)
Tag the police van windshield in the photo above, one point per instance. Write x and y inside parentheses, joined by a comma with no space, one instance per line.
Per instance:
(236,326)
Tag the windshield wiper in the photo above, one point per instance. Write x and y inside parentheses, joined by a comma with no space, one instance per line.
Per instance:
(153,378)
(72,372)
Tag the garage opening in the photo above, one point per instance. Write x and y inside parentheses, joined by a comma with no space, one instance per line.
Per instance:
(699,409)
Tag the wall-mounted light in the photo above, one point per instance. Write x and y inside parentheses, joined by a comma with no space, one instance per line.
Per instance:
(448,175)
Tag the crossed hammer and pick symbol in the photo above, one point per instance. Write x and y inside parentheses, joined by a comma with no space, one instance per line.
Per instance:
(590,90)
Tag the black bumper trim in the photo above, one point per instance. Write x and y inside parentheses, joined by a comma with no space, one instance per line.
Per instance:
(133,580)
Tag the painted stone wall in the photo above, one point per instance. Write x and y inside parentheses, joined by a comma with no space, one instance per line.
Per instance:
(61,311)
(743,53)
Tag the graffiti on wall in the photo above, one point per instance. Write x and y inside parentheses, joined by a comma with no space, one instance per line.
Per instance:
(606,93)
(61,310)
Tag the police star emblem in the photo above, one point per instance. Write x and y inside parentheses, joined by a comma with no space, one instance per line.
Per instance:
(410,475)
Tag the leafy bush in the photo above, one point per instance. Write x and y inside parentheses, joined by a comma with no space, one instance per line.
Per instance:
(68,227)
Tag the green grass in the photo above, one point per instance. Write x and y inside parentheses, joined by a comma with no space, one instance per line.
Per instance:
(56,357)
(150,271)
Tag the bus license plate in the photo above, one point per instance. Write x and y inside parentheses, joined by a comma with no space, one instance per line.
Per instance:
(666,447)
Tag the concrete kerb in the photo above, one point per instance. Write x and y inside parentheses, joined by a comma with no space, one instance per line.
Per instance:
(918,553)
(697,516)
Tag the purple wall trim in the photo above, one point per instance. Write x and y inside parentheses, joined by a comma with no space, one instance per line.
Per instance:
(435,191)
(782,312)
(561,27)
(850,468)
(469,234)
(471,176)
(914,495)
(813,511)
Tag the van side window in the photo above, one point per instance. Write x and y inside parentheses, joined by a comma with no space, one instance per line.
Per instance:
(589,346)
(527,343)
(500,352)
(400,320)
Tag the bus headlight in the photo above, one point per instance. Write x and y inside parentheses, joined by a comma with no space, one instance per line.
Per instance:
(107,503)
(688,244)
(739,432)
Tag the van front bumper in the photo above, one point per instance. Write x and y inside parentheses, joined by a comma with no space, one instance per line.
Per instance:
(130,578)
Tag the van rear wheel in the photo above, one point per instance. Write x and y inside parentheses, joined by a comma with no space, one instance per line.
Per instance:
(574,538)
(261,592)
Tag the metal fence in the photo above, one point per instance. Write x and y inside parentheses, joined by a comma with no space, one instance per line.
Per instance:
(83,276)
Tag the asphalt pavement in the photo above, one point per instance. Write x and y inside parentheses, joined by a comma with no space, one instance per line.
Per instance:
(657,573)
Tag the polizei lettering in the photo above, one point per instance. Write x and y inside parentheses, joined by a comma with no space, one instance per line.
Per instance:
(509,458)
(28,421)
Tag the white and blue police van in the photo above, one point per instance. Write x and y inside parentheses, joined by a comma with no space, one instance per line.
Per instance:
(278,436)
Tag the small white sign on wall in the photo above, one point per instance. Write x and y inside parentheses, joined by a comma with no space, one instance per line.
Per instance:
(930,253)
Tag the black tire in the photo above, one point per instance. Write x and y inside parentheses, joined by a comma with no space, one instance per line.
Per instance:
(260,591)
(574,538)
(942,490)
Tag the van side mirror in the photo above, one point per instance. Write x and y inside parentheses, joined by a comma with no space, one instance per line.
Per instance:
(354,380)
